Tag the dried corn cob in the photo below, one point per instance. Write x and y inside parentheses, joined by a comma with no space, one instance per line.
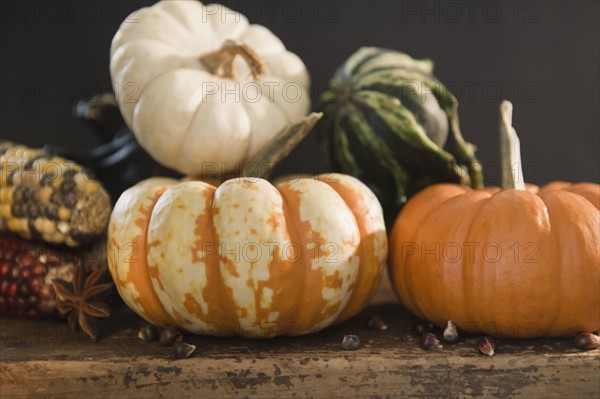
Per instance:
(28,270)
(26,273)
(49,198)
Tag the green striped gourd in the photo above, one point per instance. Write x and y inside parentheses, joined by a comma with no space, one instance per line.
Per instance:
(391,123)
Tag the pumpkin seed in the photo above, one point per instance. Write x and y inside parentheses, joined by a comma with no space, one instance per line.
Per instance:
(486,346)
(587,341)
(376,323)
(450,332)
(183,350)
(169,335)
(350,342)
(148,333)
(429,341)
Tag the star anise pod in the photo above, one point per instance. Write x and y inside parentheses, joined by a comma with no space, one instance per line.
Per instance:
(83,299)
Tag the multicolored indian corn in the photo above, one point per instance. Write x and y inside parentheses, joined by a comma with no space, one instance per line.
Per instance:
(49,198)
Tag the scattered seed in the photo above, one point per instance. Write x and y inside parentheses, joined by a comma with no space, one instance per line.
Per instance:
(169,335)
(429,341)
(486,346)
(450,332)
(148,333)
(350,342)
(183,350)
(376,323)
(421,327)
(587,341)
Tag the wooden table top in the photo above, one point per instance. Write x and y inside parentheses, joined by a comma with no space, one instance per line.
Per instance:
(43,358)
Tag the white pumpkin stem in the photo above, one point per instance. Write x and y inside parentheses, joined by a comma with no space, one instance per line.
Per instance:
(220,62)
(510,150)
(261,164)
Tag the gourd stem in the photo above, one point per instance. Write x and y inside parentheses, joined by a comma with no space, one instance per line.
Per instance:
(220,62)
(261,164)
(510,151)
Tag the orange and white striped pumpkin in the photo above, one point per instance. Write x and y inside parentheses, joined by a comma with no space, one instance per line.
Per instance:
(248,258)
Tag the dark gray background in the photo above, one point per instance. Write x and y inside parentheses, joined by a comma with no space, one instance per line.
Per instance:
(541,55)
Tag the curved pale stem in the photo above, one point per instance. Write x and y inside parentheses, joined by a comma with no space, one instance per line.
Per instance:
(510,150)
(220,62)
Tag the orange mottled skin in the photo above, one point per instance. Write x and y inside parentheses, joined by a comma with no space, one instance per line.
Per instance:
(140,273)
(293,293)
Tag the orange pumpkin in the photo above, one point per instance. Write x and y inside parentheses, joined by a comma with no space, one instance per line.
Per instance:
(509,263)
(248,258)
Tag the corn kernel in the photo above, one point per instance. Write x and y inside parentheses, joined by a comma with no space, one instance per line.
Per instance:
(64,213)
(44,195)
(5,211)
(6,196)
(46,226)
(91,187)
(14,224)
(63,227)
(38,224)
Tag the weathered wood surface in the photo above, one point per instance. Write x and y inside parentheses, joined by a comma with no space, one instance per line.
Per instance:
(41,359)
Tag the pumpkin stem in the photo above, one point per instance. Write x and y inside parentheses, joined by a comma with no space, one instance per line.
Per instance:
(220,62)
(261,164)
(510,150)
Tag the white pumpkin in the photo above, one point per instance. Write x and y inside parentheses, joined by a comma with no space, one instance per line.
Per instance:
(190,101)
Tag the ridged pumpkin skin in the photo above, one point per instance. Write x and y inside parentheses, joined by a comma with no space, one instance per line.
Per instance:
(528,266)
(248,258)
(392,124)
